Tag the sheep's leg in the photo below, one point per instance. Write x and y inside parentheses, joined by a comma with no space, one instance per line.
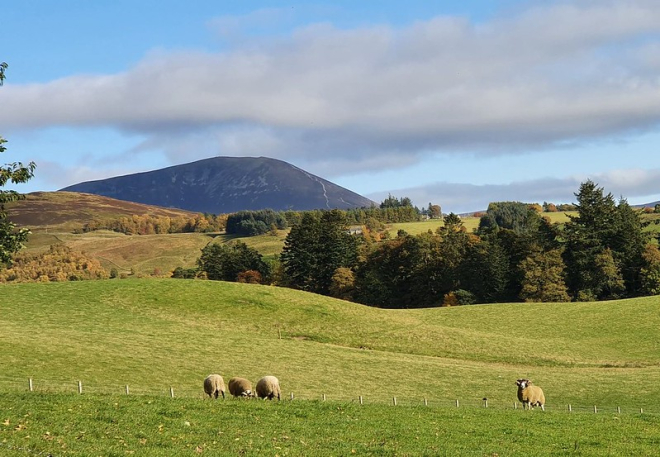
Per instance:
(542,407)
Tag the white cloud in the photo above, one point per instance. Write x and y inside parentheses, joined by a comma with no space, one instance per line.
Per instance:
(461,197)
(378,97)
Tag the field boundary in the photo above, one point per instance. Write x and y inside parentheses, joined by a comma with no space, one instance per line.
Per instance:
(37,385)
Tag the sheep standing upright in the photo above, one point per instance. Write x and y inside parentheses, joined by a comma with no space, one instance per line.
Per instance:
(214,385)
(268,387)
(240,387)
(530,395)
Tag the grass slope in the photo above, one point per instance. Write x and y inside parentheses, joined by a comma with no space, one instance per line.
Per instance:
(155,334)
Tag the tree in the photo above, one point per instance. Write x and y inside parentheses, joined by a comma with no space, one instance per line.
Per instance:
(11,240)
(605,246)
(225,262)
(543,278)
(316,248)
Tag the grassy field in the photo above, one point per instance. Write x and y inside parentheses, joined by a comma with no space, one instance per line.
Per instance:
(57,424)
(153,335)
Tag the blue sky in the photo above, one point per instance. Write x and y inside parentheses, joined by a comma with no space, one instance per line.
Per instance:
(458,103)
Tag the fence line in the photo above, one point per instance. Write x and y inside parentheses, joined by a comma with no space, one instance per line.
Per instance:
(81,388)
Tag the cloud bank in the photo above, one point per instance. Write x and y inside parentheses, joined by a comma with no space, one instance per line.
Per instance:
(378,97)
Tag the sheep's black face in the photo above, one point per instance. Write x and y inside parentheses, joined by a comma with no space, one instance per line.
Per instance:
(522,383)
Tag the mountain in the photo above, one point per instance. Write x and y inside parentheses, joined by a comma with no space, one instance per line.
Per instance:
(223,185)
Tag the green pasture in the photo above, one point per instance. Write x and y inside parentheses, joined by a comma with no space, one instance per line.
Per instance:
(155,334)
(163,336)
(114,425)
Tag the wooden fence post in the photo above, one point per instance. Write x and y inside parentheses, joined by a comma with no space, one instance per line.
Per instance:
(79,387)
(361,400)
(595,409)
(426,402)
(30,387)
(323,397)
(570,408)
(126,389)
(394,400)
(457,402)
(171,392)
(485,402)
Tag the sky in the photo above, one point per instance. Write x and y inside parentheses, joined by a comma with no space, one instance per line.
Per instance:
(456,103)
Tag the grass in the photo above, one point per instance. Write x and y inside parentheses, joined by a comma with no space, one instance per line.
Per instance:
(67,424)
(157,334)
(112,333)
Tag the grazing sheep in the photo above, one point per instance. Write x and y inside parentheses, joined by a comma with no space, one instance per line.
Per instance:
(530,395)
(214,385)
(240,387)
(268,387)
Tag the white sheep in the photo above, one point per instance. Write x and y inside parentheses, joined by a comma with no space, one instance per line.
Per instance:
(530,395)
(268,387)
(214,385)
(240,387)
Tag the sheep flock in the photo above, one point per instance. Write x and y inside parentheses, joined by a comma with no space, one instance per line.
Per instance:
(268,387)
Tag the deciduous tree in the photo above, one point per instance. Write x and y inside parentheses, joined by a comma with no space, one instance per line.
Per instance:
(11,240)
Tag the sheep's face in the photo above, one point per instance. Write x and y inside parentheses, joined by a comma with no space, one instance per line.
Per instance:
(247,393)
(523,383)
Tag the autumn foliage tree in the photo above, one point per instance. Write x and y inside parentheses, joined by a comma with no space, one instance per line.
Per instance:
(59,263)
(11,240)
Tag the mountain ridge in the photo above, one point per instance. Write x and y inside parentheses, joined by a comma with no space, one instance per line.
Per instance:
(225,185)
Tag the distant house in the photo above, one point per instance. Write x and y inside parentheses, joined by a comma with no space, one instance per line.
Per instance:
(355,230)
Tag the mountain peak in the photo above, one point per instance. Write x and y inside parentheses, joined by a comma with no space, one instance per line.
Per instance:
(227,184)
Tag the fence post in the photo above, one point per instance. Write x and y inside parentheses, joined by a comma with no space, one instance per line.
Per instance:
(570,409)
(126,389)
(171,392)
(30,387)
(323,397)
(618,409)
(641,410)
(595,409)
(394,400)
(485,402)
(361,400)
(79,387)
(457,402)
(426,402)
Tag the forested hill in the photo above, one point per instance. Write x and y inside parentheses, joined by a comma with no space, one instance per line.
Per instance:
(226,185)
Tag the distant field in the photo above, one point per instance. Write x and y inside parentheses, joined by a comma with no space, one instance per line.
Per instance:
(157,334)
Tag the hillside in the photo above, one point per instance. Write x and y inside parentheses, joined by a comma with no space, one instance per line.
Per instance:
(224,185)
(69,211)
(116,332)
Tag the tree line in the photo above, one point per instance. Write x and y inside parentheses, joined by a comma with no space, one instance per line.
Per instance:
(516,254)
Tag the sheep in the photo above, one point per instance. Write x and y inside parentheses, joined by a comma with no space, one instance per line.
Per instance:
(268,387)
(530,395)
(214,385)
(240,387)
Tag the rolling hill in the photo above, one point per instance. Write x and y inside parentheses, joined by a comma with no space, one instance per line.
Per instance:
(224,185)
(69,211)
